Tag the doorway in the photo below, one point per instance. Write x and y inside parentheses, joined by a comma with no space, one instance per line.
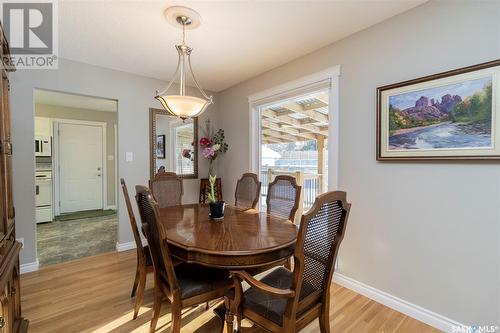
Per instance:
(294,130)
(294,142)
(80,166)
(76,160)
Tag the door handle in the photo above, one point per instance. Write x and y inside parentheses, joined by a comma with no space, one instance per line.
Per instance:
(98,175)
(37,189)
(98,169)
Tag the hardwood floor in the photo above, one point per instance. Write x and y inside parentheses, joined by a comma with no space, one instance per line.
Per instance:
(93,295)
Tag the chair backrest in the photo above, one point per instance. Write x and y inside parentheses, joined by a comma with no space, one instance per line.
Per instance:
(167,189)
(166,173)
(205,189)
(133,222)
(247,191)
(149,210)
(283,196)
(320,234)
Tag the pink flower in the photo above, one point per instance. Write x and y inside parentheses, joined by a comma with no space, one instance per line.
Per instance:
(208,152)
(204,141)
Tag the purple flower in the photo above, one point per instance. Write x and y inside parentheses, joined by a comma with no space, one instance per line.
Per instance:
(208,152)
(186,153)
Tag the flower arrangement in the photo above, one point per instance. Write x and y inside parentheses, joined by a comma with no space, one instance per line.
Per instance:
(212,145)
(189,153)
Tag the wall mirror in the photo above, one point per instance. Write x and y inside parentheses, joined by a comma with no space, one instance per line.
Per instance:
(173,144)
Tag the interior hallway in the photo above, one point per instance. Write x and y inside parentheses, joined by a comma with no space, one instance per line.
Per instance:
(62,240)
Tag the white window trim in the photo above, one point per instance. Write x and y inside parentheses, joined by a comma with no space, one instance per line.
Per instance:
(296,86)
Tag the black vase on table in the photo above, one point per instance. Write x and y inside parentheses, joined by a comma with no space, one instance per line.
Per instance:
(217,210)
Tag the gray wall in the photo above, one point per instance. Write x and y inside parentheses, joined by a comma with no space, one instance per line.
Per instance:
(428,233)
(110,118)
(135,96)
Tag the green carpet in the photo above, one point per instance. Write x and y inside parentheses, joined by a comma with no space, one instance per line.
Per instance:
(84,215)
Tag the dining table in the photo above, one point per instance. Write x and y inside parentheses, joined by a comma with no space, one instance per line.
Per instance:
(242,239)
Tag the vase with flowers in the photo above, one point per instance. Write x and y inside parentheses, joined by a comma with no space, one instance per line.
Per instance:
(216,206)
(212,145)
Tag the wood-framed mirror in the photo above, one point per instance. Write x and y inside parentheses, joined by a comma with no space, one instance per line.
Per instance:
(173,144)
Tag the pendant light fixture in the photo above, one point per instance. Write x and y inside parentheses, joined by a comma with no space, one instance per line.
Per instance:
(182,105)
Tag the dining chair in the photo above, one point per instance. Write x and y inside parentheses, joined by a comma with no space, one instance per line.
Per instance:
(205,190)
(144,263)
(167,189)
(183,285)
(287,301)
(283,195)
(247,191)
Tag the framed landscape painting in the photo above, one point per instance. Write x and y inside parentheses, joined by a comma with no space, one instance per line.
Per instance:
(451,115)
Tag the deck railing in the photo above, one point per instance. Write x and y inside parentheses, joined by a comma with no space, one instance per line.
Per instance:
(311,185)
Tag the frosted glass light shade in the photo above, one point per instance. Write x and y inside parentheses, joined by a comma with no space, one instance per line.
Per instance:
(183,106)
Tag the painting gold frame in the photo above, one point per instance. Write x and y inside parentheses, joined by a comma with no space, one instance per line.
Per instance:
(484,70)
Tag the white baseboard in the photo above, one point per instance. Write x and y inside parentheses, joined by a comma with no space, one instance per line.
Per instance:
(113,207)
(120,247)
(419,313)
(29,267)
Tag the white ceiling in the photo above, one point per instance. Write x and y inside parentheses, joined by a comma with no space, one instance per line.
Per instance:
(49,97)
(236,41)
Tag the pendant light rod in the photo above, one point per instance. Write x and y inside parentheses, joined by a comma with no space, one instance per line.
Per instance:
(182,58)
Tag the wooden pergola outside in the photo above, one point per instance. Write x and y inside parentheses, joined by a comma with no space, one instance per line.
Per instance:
(303,119)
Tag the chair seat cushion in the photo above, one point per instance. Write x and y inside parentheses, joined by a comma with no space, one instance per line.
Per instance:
(271,307)
(196,279)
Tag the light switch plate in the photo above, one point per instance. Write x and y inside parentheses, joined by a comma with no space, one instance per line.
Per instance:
(129,156)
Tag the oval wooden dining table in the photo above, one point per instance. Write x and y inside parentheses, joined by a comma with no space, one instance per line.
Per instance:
(242,239)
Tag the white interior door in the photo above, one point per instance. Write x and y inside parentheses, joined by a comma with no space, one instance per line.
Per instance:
(80,167)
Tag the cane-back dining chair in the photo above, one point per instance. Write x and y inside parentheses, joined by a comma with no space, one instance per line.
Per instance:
(144,263)
(287,301)
(283,195)
(184,285)
(247,191)
(167,189)
(205,190)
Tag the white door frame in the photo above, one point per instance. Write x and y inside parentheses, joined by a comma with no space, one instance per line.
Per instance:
(55,159)
(298,86)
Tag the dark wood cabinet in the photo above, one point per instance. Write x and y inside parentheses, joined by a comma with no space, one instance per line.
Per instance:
(11,319)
